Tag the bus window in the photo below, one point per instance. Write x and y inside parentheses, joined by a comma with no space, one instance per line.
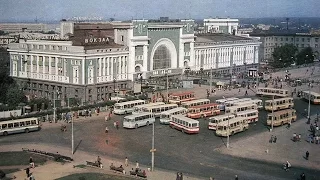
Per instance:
(10,125)
(21,123)
(4,126)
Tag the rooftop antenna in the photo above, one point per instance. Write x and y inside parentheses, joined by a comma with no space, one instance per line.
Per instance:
(287,19)
(36,20)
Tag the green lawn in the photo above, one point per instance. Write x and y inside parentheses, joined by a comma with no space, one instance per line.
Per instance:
(8,171)
(94,176)
(20,158)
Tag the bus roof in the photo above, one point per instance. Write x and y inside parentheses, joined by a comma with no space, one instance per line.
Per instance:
(247,111)
(194,101)
(173,110)
(184,118)
(150,104)
(181,94)
(277,113)
(279,99)
(312,93)
(226,99)
(225,123)
(160,106)
(222,116)
(137,115)
(272,88)
(239,100)
(18,120)
(128,102)
(206,105)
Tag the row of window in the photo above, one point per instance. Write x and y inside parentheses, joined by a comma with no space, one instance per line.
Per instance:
(290,39)
(44,47)
(18,124)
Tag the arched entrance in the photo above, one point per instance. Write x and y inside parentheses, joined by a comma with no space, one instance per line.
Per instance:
(163,55)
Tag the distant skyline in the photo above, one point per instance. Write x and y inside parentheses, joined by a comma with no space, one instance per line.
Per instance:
(55,10)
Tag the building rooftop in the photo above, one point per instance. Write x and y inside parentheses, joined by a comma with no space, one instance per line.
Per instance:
(213,37)
(284,33)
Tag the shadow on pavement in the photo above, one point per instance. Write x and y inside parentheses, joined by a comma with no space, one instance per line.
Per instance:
(75,149)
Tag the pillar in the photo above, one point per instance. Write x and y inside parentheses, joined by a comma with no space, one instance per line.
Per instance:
(145,59)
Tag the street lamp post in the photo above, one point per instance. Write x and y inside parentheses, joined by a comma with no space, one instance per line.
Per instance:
(141,82)
(72,136)
(228,137)
(114,85)
(54,105)
(167,85)
(153,149)
(308,122)
(210,80)
(272,114)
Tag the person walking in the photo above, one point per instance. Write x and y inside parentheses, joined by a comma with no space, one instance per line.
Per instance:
(307,155)
(126,162)
(271,139)
(31,162)
(275,139)
(107,129)
(28,172)
(236,177)
(137,165)
(117,125)
(302,176)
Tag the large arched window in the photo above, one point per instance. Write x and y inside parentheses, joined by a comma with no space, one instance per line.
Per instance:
(162,58)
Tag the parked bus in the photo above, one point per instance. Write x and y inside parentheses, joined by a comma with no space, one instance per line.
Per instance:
(139,108)
(196,102)
(213,121)
(184,124)
(156,110)
(232,103)
(252,115)
(232,126)
(314,97)
(19,125)
(282,117)
(272,92)
(241,107)
(165,117)
(178,98)
(278,104)
(202,111)
(127,107)
(258,102)
(138,120)
(221,102)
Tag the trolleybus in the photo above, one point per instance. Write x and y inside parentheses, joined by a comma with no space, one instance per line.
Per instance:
(184,124)
(127,107)
(233,126)
(165,117)
(138,120)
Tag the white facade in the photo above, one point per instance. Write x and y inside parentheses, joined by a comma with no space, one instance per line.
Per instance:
(221,25)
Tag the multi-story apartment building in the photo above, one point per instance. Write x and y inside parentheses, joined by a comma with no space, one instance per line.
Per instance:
(101,58)
(23,27)
(272,40)
(221,25)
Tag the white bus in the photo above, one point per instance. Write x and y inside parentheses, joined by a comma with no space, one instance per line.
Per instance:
(251,115)
(314,97)
(282,117)
(258,102)
(127,107)
(184,124)
(272,92)
(156,110)
(165,117)
(232,103)
(138,120)
(196,102)
(241,107)
(221,102)
(232,126)
(139,108)
(19,125)
(213,121)
(278,104)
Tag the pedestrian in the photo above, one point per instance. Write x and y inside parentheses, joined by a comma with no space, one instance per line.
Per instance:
(117,125)
(137,165)
(28,172)
(275,139)
(107,129)
(99,160)
(294,137)
(289,125)
(299,137)
(126,162)
(236,177)
(271,139)
(246,93)
(302,176)
(31,162)
(307,155)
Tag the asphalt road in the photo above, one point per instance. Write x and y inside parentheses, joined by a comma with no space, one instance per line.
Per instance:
(193,154)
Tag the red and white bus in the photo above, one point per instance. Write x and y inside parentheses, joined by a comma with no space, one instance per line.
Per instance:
(251,115)
(178,98)
(202,111)
(184,124)
(196,102)
(213,121)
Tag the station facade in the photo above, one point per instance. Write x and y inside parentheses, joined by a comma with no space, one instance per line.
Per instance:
(102,58)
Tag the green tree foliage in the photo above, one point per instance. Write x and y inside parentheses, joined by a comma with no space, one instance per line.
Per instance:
(39,103)
(14,95)
(305,56)
(284,56)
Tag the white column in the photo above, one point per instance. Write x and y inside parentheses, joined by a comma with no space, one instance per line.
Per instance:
(111,69)
(181,55)
(104,67)
(31,65)
(100,67)
(49,65)
(108,66)
(192,55)
(56,62)
(43,64)
(131,62)
(37,59)
(145,59)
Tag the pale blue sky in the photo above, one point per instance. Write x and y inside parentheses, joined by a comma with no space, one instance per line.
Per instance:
(21,10)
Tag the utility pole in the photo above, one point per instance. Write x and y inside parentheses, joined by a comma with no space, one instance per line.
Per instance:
(167,86)
(54,106)
(308,122)
(72,136)
(153,149)
(272,114)
(228,138)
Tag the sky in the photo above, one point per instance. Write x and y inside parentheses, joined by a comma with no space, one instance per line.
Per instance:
(55,10)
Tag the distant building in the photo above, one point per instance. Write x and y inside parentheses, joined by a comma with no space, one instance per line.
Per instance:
(23,27)
(66,28)
(272,40)
(221,25)
(101,58)
(36,36)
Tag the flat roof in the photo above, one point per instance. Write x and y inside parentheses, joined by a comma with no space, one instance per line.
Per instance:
(218,37)
(184,118)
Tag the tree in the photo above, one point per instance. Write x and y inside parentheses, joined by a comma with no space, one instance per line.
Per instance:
(15,96)
(305,56)
(283,56)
